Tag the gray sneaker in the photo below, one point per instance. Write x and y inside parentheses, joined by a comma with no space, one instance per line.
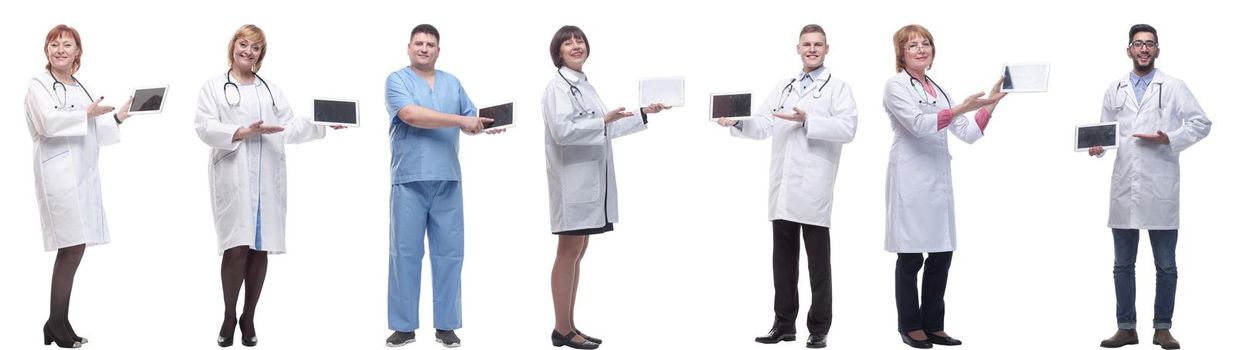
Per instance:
(400,339)
(447,338)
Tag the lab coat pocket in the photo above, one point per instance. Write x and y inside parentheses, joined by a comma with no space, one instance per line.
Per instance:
(581,183)
(59,177)
(1166,188)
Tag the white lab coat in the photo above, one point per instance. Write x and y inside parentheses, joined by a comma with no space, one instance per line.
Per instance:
(66,163)
(578,159)
(243,171)
(919,188)
(805,156)
(1145,188)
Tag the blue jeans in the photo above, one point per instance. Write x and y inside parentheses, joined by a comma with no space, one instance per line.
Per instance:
(1163,244)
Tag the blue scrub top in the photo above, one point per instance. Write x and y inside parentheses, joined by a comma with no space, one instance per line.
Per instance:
(419,154)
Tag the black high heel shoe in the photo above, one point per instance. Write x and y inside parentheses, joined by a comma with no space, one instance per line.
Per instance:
(568,340)
(249,337)
(73,333)
(49,337)
(591,339)
(226,340)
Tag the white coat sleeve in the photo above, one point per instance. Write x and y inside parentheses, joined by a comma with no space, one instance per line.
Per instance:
(49,121)
(760,125)
(902,104)
(209,125)
(1194,126)
(564,126)
(965,129)
(295,130)
(835,122)
(629,125)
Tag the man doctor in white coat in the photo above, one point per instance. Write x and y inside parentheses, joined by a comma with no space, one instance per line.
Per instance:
(809,116)
(1158,119)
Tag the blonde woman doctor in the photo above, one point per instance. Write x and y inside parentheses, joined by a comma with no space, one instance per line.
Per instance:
(246,122)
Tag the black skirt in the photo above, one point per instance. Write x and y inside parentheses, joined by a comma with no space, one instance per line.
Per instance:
(609,226)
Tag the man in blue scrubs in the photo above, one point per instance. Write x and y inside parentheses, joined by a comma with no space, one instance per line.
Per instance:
(428,109)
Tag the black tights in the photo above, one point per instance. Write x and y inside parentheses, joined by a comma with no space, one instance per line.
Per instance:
(241,265)
(67,261)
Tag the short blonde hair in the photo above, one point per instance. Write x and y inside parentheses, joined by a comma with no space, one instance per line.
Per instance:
(254,35)
(903,35)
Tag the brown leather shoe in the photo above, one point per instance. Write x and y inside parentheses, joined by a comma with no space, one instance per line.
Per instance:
(1121,338)
(1163,337)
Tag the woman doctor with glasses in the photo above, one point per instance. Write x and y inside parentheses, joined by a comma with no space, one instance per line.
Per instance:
(68,125)
(582,195)
(919,189)
(246,122)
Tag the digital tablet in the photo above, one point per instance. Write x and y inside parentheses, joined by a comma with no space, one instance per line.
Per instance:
(1101,134)
(503,115)
(148,100)
(667,91)
(732,106)
(333,111)
(1025,77)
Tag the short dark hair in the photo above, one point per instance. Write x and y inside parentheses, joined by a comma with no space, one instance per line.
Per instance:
(1138,28)
(565,33)
(813,28)
(427,29)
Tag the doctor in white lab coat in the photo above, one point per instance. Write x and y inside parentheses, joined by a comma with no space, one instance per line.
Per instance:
(1158,118)
(583,197)
(246,122)
(919,188)
(67,126)
(809,117)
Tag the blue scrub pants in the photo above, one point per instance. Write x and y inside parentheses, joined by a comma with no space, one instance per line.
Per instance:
(417,208)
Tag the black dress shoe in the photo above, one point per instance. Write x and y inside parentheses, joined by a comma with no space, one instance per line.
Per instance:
(776,335)
(569,340)
(919,344)
(945,340)
(817,340)
(591,339)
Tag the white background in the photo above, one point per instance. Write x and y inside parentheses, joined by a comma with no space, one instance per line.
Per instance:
(689,264)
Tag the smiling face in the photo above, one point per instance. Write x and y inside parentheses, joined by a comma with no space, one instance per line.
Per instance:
(63,53)
(812,47)
(423,51)
(1144,49)
(247,54)
(918,53)
(573,52)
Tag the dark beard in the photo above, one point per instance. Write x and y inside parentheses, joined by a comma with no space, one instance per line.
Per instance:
(1143,70)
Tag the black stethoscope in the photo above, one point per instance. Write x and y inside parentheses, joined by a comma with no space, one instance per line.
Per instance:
(61,92)
(234,93)
(1122,85)
(923,99)
(789,88)
(576,96)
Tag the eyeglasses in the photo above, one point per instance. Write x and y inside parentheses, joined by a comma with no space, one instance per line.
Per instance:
(1140,44)
(918,48)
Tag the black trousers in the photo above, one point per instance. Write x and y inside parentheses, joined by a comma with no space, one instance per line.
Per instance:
(930,316)
(785,276)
